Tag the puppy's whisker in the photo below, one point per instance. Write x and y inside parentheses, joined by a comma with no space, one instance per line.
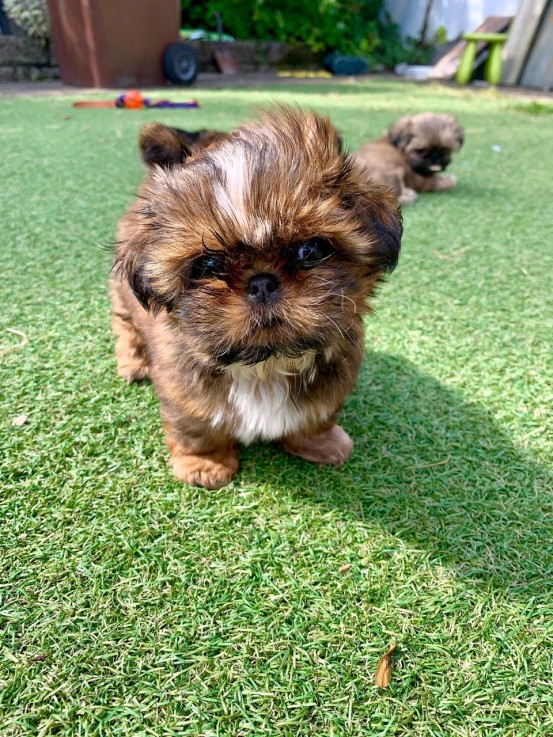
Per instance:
(338,328)
(343,297)
(324,282)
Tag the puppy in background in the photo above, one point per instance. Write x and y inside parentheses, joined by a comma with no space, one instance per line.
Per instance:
(241,278)
(413,153)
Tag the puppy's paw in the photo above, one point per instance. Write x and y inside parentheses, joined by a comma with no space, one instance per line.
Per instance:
(446,181)
(210,472)
(132,364)
(133,371)
(407,196)
(332,446)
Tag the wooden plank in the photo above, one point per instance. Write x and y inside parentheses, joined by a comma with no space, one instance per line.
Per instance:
(538,70)
(447,67)
(518,45)
(225,61)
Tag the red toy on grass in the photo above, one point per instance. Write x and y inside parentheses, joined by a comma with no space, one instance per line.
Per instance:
(134,100)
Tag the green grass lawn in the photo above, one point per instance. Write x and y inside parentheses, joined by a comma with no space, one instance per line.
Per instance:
(133,605)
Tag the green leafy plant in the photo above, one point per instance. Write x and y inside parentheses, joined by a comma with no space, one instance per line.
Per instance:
(440,36)
(31,16)
(351,27)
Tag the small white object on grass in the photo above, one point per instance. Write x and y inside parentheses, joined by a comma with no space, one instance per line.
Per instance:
(496,147)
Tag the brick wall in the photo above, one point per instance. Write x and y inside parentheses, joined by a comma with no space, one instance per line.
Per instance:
(256,56)
(23,58)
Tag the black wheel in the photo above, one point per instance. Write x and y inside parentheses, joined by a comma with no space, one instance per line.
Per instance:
(180,64)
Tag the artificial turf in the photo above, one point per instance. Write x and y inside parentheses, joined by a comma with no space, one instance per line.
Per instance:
(134,605)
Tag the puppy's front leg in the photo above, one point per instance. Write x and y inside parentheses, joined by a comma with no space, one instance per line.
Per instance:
(130,349)
(406,196)
(198,456)
(396,180)
(333,446)
(435,183)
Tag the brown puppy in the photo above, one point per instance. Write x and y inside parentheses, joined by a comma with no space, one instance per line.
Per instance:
(410,157)
(240,284)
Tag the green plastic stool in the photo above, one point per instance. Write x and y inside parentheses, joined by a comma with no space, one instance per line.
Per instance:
(492,73)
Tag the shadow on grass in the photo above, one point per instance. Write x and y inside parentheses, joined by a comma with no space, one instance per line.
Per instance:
(435,471)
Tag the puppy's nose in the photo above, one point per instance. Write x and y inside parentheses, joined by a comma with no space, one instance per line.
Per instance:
(262,288)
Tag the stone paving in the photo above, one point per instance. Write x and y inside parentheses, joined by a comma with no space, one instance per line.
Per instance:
(250,80)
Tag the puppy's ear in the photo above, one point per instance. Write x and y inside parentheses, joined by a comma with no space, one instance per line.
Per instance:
(142,290)
(401,132)
(203,138)
(133,270)
(135,239)
(379,216)
(456,132)
(162,145)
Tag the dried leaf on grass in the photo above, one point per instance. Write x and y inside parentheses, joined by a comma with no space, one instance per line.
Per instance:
(19,420)
(345,568)
(38,658)
(383,674)
(452,255)
(24,340)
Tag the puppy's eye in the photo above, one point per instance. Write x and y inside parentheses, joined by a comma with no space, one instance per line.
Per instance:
(207,267)
(420,151)
(312,253)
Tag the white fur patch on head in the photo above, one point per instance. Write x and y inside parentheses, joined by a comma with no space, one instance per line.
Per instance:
(260,403)
(260,230)
(237,176)
(231,197)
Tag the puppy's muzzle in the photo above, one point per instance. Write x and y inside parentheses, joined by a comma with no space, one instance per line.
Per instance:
(263,288)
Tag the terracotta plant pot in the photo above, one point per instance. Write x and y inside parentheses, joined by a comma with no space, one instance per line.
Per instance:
(113,43)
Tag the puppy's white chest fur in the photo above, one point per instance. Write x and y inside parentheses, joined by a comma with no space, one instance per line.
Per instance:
(263,410)
(259,398)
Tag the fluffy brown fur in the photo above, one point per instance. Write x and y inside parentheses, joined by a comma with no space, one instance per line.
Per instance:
(240,284)
(412,154)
